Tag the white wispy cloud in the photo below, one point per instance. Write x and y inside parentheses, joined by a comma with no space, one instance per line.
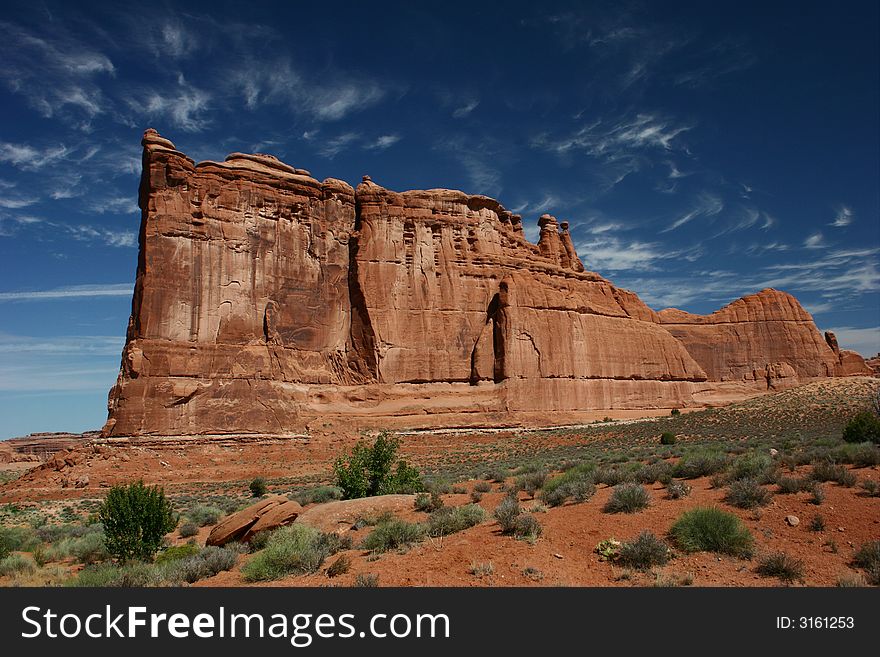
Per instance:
(606,252)
(331,98)
(55,72)
(843,217)
(184,106)
(332,146)
(31,158)
(382,142)
(16,202)
(815,241)
(70,292)
(611,140)
(705,204)
(463,110)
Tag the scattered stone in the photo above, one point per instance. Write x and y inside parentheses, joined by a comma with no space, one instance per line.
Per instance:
(794,521)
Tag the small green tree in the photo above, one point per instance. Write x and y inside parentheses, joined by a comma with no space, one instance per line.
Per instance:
(135,518)
(667,438)
(370,470)
(863,427)
(258,487)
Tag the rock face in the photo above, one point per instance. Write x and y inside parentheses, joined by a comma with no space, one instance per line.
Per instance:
(265,299)
(270,513)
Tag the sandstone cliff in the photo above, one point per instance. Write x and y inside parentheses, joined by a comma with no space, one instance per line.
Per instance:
(265,299)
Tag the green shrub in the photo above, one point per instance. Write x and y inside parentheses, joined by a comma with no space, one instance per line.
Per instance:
(368,470)
(755,465)
(747,494)
(177,552)
(652,472)
(203,515)
(780,565)
(366,580)
(319,495)
(188,529)
(863,427)
(627,498)
(339,567)
(676,490)
(868,555)
(827,471)
(871,488)
(817,493)
(712,530)
(675,412)
(12,539)
(817,523)
(861,455)
(530,482)
(644,552)
(790,485)
(258,487)
(667,438)
(450,520)
(393,535)
(506,514)
(17,563)
(206,562)
(700,463)
(428,502)
(135,519)
(132,574)
(526,527)
(482,487)
(294,549)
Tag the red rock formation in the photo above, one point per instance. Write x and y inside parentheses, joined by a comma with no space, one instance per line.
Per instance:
(265,299)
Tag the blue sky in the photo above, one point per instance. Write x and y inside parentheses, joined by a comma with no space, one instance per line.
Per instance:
(701,151)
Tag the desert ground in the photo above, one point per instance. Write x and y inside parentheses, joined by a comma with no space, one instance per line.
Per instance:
(814,498)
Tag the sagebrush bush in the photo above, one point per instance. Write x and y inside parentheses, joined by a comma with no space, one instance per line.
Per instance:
(17,563)
(667,438)
(339,567)
(366,580)
(646,551)
(868,557)
(676,490)
(428,502)
(711,529)
(747,494)
(393,535)
(781,565)
(177,552)
(863,427)
(817,523)
(135,518)
(627,498)
(24,539)
(700,463)
(369,470)
(319,495)
(828,471)
(753,465)
(526,527)
(482,487)
(294,549)
(871,488)
(258,487)
(206,562)
(506,514)
(791,485)
(203,515)
(530,482)
(450,520)
(188,529)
